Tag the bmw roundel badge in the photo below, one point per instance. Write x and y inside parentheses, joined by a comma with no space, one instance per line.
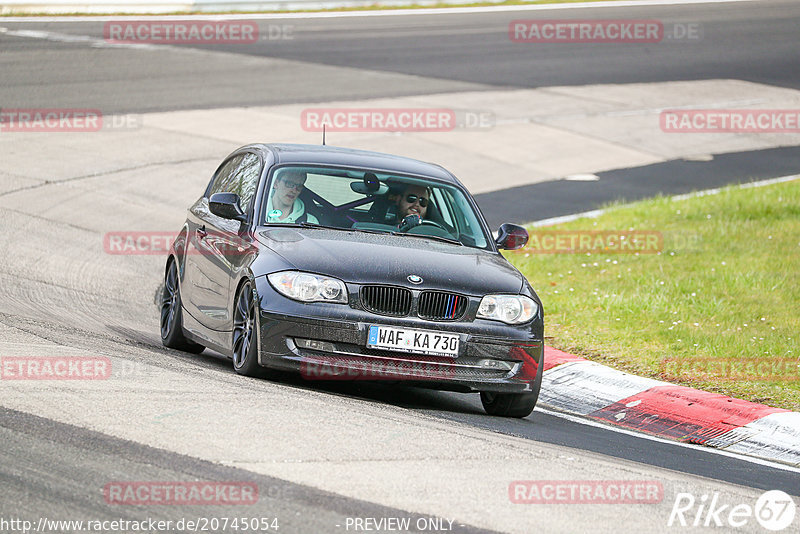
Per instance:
(414,279)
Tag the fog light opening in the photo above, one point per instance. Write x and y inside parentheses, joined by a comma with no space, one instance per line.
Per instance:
(315,344)
(496,364)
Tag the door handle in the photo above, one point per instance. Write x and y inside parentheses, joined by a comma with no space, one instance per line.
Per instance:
(201,231)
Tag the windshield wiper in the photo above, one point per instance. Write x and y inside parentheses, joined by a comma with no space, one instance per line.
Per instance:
(326,227)
(293,224)
(434,237)
(364,230)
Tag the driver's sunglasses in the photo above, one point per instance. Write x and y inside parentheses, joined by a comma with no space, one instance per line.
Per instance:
(423,202)
(293,185)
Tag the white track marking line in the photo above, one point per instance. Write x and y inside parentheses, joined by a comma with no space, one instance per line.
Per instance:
(386,13)
(71,38)
(95,42)
(721,452)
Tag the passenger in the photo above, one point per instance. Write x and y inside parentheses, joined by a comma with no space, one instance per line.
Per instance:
(412,205)
(284,204)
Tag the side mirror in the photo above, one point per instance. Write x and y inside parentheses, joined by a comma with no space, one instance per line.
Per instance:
(226,205)
(511,236)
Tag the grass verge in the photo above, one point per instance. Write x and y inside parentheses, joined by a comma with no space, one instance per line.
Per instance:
(714,305)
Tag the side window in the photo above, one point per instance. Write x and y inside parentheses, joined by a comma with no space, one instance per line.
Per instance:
(222,180)
(245,179)
(442,204)
(466,220)
(238,175)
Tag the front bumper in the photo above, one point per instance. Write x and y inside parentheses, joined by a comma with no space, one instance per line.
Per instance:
(329,342)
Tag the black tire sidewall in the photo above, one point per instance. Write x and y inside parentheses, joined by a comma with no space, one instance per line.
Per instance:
(250,366)
(176,339)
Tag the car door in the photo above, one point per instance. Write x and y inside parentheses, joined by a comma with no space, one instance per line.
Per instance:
(218,246)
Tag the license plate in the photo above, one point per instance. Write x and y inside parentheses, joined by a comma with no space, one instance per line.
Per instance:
(412,340)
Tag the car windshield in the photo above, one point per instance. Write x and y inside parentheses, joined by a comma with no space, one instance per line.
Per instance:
(356,199)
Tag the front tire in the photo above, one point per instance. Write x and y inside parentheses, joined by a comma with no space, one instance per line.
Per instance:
(245,333)
(514,404)
(509,404)
(172,314)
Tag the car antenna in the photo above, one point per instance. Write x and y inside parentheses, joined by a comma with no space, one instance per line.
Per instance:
(323,134)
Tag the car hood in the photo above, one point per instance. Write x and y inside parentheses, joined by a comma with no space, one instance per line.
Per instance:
(365,258)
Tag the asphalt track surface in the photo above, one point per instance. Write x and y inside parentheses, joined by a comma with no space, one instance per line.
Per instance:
(41,458)
(45,467)
(557,198)
(755,41)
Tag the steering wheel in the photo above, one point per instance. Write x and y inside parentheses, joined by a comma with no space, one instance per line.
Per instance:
(440,232)
(416,221)
(435,224)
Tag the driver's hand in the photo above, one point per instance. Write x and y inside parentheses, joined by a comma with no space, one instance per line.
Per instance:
(409,222)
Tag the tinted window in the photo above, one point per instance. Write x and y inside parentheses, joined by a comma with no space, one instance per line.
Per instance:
(351,198)
(245,179)
(238,175)
(222,180)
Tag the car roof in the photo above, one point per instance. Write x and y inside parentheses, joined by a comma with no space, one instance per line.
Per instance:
(285,153)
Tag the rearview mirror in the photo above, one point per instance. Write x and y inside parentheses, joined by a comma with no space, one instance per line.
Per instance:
(226,205)
(369,185)
(511,237)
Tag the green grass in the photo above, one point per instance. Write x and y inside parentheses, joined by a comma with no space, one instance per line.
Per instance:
(371,7)
(724,289)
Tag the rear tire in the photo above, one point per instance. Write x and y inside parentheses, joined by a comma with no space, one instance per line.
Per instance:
(245,333)
(172,314)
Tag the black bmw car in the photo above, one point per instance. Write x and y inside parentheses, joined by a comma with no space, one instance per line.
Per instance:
(352,265)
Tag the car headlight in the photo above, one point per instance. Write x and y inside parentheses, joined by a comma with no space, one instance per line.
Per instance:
(511,309)
(307,287)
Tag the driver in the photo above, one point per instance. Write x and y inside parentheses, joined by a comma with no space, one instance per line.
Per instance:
(412,205)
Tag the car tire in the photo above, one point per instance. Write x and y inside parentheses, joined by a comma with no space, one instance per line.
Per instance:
(172,335)
(513,404)
(245,333)
(508,404)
